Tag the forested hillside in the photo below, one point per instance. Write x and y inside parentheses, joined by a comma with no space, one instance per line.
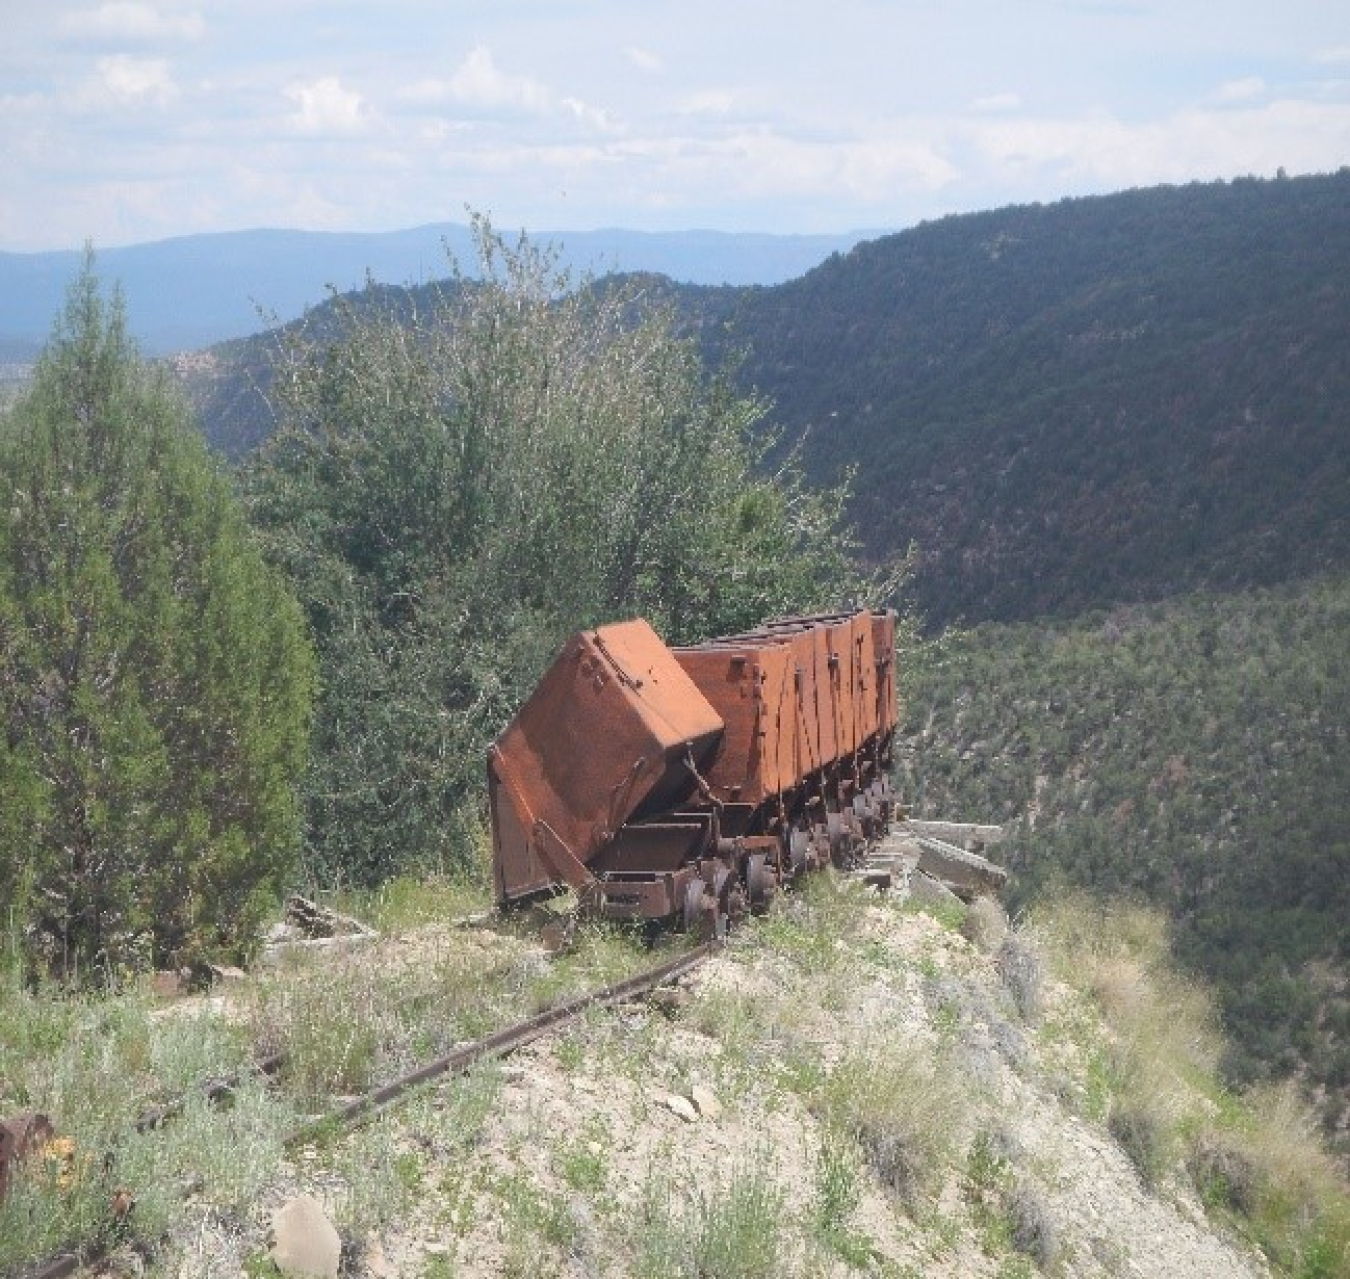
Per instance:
(1096,401)
(1196,753)
(1064,406)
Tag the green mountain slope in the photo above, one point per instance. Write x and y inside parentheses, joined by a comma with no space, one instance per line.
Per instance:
(1101,400)
(1195,753)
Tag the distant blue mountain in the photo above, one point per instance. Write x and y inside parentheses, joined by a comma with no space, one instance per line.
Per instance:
(200,289)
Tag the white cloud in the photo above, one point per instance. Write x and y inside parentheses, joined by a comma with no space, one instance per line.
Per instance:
(764,165)
(1337,57)
(125,22)
(124,78)
(480,87)
(996,103)
(592,117)
(1103,153)
(479,82)
(325,106)
(427,93)
(643,59)
(1248,89)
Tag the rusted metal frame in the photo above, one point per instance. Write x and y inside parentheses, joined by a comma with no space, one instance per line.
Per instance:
(700,781)
(619,796)
(547,843)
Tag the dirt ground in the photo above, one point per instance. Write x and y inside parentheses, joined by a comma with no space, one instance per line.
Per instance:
(701,1113)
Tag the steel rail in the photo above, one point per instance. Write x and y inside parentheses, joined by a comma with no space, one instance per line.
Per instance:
(505,1041)
(498,1044)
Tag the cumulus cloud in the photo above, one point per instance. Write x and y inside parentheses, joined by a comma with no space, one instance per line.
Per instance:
(479,87)
(643,59)
(127,23)
(592,117)
(325,106)
(1105,153)
(708,102)
(126,79)
(479,82)
(762,164)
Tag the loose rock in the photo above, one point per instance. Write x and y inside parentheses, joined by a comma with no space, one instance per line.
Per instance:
(682,1107)
(706,1102)
(306,1244)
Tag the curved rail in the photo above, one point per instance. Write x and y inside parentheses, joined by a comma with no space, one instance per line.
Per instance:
(498,1044)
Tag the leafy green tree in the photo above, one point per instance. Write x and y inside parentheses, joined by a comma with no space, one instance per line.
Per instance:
(155,676)
(455,488)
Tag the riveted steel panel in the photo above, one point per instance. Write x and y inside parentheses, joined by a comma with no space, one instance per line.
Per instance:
(601,741)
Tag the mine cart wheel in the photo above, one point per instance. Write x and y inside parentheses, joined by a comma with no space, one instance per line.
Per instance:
(725,897)
(820,847)
(841,839)
(760,881)
(799,850)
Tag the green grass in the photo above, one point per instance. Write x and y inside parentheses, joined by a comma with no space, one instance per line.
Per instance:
(729,1227)
(1255,1160)
(1190,753)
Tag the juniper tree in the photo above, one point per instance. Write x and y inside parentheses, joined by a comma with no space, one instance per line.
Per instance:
(155,676)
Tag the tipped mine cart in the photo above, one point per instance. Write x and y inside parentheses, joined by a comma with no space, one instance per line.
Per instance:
(688,784)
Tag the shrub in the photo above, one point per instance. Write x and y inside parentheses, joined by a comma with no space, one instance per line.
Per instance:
(154,674)
(985,924)
(1021,970)
(725,1227)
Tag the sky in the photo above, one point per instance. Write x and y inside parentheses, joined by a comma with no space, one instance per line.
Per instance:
(136,120)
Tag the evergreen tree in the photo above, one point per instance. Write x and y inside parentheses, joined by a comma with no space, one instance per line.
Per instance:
(154,673)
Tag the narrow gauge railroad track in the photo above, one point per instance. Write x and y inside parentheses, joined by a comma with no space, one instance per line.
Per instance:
(498,1044)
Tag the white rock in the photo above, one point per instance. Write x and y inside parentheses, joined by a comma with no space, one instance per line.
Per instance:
(681,1106)
(377,1263)
(305,1241)
(706,1102)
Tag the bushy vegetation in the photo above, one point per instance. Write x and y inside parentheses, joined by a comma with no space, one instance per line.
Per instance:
(454,490)
(96,1063)
(1255,1160)
(1194,754)
(154,672)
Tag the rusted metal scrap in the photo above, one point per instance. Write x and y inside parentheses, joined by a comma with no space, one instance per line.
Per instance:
(690,783)
(21,1137)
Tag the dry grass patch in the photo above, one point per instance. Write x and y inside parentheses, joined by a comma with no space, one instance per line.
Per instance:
(94,1063)
(985,924)
(1263,1164)
(731,1227)
(1256,1161)
(907,1114)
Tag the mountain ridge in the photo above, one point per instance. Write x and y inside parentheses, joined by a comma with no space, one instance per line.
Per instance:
(231,283)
